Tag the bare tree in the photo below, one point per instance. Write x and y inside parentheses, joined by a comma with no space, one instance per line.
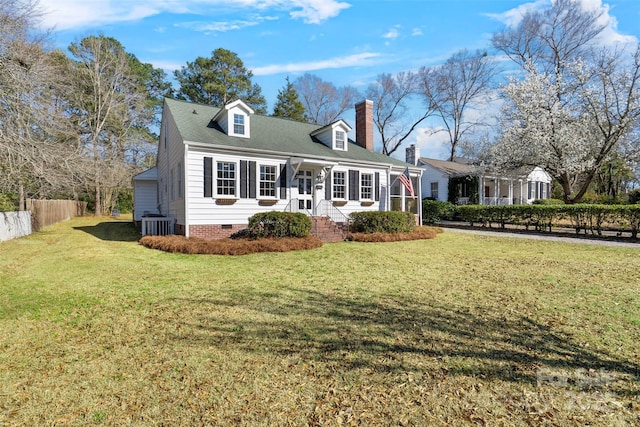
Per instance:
(322,100)
(456,90)
(548,39)
(109,106)
(392,114)
(36,157)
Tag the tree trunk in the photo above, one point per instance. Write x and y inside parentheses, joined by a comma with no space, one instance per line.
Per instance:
(21,199)
(98,201)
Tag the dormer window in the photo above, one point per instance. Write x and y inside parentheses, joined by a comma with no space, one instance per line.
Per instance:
(238,124)
(340,138)
(333,135)
(235,119)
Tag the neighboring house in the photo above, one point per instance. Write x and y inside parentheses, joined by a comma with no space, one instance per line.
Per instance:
(473,183)
(216,167)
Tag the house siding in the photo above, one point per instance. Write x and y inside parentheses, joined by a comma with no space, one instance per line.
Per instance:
(219,210)
(169,156)
(146,199)
(431,174)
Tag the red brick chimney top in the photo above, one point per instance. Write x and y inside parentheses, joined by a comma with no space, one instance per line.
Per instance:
(364,124)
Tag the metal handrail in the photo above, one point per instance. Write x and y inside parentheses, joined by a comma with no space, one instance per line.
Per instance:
(294,207)
(326,208)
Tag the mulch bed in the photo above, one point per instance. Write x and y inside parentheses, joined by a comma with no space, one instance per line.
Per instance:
(245,246)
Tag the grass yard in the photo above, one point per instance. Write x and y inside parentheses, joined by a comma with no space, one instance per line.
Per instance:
(458,330)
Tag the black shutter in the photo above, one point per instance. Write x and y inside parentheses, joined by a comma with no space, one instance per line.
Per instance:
(354,185)
(376,188)
(283,182)
(252,180)
(243,179)
(208,177)
(327,186)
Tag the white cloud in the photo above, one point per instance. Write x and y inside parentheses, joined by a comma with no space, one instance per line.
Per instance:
(432,142)
(511,18)
(73,14)
(224,26)
(316,11)
(391,34)
(416,32)
(166,65)
(361,59)
(610,35)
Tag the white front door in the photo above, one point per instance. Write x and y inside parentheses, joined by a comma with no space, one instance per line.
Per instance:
(305,190)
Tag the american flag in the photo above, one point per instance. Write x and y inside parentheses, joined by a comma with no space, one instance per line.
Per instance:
(405,179)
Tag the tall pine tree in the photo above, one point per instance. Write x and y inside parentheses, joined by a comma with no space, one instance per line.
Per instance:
(288,105)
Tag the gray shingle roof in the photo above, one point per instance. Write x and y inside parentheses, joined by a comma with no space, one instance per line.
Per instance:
(194,122)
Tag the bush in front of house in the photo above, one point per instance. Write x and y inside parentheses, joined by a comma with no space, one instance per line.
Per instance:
(279,225)
(433,211)
(382,222)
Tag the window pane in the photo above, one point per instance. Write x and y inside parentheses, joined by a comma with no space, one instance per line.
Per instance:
(238,124)
(339,185)
(226,179)
(366,186)
(267,181)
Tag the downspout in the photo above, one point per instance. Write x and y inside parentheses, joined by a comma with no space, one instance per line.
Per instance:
(185,193)
(388,195)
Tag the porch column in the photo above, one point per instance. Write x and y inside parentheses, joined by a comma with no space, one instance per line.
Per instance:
(481,190)
(510,201)
(496,188)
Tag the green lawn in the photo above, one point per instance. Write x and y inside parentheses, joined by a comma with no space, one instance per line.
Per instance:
(458,330)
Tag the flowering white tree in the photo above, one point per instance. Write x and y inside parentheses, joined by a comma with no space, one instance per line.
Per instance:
(577,103)
(570,123)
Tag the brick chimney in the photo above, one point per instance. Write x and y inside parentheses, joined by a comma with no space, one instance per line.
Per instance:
(412,154)
(364,124)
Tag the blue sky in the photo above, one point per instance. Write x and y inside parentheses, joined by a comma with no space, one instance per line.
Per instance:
(346,42)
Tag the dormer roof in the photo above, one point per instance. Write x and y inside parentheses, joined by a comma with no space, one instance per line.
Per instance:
(237,103)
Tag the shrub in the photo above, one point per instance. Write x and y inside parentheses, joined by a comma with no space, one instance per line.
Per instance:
(433,211)
(583,217)
(634,196)
(548,202)
(382,222)
(279,224)
(7,203)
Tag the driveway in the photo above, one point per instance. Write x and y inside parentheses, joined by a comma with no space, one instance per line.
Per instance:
(586,240)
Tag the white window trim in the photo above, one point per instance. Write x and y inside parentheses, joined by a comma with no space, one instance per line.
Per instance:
(236,185)
(335,140)
(437,189)
(232,124)
(346,185)
(275,181)
(372,175)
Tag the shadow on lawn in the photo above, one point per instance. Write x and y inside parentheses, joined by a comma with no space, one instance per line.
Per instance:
(393,334)
(115,231)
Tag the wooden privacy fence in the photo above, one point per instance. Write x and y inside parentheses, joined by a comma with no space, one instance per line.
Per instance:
(48,212)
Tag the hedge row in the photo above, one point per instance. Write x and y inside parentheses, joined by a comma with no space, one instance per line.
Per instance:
(582,217)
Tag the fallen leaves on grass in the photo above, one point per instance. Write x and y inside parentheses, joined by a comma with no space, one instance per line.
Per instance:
(420,233)
(183,245)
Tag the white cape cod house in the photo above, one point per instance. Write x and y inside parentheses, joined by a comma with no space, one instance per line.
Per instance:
(473,183)
(216,167)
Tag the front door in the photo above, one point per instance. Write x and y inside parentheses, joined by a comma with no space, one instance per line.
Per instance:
(305,190)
